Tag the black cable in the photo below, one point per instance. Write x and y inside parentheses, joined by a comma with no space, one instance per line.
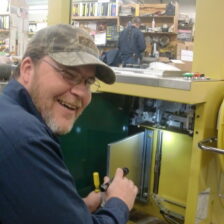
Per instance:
(171,220)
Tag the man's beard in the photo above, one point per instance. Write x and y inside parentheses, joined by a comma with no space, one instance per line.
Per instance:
(52,124)
(45,112)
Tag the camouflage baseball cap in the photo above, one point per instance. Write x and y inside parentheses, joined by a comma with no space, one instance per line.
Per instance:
(71,46)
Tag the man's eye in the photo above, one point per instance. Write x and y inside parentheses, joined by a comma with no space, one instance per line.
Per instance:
(65,74)
(69,76)
(90,80)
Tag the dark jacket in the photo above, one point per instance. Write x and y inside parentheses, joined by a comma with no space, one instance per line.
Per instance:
(131,42)
(111,57)
(35,185)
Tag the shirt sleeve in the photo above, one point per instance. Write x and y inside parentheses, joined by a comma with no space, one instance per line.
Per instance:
(36,186)
(117,209)
(141,41)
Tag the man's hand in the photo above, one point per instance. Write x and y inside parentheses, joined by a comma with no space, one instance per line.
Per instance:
(93,200)
(123,188)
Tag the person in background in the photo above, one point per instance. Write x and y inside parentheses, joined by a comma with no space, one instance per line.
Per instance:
(48,92)
(131,43)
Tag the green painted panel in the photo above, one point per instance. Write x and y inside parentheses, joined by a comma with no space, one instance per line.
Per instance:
(85,147)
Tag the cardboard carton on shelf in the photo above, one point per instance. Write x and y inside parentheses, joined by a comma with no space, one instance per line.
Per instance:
(185,66)
(185,49)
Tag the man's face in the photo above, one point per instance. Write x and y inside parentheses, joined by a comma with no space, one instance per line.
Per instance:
(59,100)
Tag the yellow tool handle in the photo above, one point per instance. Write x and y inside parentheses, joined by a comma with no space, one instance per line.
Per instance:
(96,181)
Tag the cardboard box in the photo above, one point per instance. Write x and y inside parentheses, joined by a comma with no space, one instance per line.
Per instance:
(185,49)
(152,9)
(185,66)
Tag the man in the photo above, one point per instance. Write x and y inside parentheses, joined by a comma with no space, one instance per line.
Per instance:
(131,43)
(51,88)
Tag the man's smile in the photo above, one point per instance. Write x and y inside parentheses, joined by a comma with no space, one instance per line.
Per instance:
(68,105)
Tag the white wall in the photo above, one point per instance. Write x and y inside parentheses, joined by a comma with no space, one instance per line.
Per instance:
(37,2)
(38,10)
(188,7)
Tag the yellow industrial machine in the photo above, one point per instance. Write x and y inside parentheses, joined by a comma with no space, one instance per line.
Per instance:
(179,175)
(178,182)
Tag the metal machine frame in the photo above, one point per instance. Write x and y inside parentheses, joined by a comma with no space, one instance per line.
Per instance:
(205,169)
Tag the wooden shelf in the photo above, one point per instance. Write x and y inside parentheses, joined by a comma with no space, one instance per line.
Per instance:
(4,31)
(157,16)
(147,12)
(94,18)
(149,16)
(160,33)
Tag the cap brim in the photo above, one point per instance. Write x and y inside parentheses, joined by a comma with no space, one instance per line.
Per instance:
(103,71)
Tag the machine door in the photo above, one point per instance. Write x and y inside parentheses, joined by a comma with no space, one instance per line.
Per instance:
(171,172)
(133,152)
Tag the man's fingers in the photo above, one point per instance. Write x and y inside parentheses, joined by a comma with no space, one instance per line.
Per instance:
(119,173)
(106,179)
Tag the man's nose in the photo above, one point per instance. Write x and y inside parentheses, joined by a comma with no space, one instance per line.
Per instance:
(80,88)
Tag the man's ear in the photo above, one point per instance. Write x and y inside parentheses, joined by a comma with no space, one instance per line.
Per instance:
(26,71)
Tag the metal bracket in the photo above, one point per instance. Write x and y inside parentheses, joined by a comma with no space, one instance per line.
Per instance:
(203,145)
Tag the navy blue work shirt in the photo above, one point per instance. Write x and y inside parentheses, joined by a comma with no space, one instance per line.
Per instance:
(131,43)
(35,185)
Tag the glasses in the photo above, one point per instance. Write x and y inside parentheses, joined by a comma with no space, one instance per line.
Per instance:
(74,79)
